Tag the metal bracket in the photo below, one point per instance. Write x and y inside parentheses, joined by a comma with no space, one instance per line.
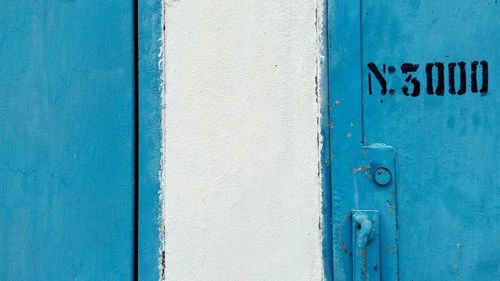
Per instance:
(375,189)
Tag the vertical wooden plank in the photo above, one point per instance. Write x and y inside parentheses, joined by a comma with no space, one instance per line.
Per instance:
(67,142)
(345,123)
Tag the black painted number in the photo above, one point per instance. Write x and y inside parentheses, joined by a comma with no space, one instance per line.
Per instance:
(457,74)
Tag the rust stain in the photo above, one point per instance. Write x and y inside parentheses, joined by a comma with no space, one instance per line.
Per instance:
(340,236)
(163,265)
(360,169)
(391,249)
(390,207)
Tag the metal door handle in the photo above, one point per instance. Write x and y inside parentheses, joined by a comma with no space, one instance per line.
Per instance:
(365,246)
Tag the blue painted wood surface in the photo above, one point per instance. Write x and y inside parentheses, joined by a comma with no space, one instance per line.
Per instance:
(345,125)
(446,141)
(67,141)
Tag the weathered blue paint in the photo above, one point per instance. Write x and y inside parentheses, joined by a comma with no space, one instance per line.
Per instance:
(445,135)
(345,124)
(368,194)
(67,143)
(149,40)
(324,123)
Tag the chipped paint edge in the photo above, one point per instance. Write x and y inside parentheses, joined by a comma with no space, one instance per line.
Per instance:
(324,170)
(161,217)
(150,22)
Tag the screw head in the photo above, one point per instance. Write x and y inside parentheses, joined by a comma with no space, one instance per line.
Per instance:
(382,176)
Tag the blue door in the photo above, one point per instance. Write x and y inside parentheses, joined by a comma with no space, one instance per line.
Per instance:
(67,93)
(415,110)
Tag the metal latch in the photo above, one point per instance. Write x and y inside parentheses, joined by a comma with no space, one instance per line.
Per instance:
(365,245)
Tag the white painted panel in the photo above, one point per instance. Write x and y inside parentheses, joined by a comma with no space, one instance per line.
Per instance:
(241,185)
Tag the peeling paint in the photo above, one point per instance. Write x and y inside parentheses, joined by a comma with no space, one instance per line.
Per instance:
(361,168)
